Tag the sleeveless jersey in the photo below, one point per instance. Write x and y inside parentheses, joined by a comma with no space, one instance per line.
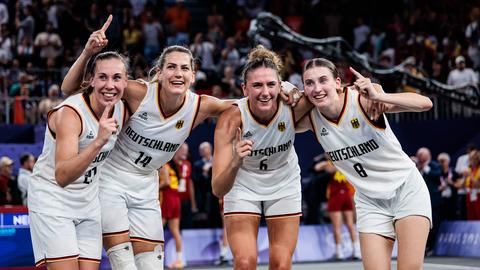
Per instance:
(271,171)
(79,198)
(150,138)
(369,156)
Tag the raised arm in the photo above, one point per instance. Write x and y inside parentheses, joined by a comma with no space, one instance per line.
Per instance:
(395,102)
(229,151)
(67,125)
(95,44)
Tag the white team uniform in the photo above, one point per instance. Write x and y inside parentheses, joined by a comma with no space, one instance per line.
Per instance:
(372,159)
(71,213)
(270,175)
(129,184)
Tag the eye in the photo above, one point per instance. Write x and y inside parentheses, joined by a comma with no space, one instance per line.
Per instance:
(185,68)
(308,83)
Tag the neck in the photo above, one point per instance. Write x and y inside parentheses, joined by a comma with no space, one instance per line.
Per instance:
(264,117)
(333,111)
(171,103)
(97,108)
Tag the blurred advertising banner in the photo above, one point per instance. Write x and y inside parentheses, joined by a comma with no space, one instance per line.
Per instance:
(458,238)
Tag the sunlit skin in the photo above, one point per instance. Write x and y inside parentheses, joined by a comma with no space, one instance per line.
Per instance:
(262,92)
(321,89)
(108,82)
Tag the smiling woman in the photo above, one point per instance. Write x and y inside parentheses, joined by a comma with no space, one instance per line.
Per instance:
(256,168)
(63,202)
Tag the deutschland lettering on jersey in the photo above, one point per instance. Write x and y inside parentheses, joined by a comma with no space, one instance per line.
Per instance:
(272,149)
(353,151)
(151,143)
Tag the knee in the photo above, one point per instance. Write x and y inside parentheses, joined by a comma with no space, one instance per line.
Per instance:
(281,263)
(245,262)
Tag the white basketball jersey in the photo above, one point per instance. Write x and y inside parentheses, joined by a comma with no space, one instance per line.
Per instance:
(150,138)
(271,171)
(79,198)
(370,157)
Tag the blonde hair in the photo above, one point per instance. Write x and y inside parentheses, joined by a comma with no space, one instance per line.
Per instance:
(262,57)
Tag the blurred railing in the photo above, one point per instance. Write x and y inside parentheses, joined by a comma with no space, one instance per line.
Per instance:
(24,110)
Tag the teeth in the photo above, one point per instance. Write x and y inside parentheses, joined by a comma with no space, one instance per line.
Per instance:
(109,94)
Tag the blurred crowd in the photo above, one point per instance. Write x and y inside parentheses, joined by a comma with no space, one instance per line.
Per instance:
(40,39)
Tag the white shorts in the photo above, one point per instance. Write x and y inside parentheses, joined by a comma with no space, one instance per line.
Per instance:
(60,238)
(134,209)
(289,206)
(379,216)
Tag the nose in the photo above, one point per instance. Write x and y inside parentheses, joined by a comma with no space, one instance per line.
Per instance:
(177,72)
(109,84)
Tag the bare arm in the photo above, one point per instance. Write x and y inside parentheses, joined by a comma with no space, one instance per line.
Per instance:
(211,107)
(69,163)
(395,102)
(95,44)
(303,125)
(229,151)
(193,202)
(164,177)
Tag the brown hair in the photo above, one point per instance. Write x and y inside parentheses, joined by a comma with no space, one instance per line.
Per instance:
(262,57)
(322,62)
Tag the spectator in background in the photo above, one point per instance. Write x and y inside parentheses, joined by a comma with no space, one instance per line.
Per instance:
(340,206)
(315,192)
(48,43)
(186,189)
(153,36)
(229,83)
(461,75)
(26,25)
(472,183)
(132,37)
(448,191)
(27,161)
(360,34)
(93,20)
(461,168)
(5,45)
(170,200)
(4,16)
(202,177)
(25,51)
(463,161)
(50,102)
(431,172)
(230,55)
(6,167)
(178,17)
(472,34)
(203,49)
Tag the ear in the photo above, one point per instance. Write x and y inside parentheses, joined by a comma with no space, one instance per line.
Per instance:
(338,83)
(244,89)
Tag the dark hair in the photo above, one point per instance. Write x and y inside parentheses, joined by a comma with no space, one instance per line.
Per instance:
(160,61)
(93,66)
(262,57)
(24,157)
(322,62)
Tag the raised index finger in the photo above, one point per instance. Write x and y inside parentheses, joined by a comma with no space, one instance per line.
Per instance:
(106,24)
(107,110)
(356,73)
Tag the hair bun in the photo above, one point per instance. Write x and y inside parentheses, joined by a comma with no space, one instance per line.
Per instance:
(260,52)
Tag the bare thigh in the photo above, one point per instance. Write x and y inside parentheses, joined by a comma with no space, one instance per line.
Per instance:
(376,251)
(412,233)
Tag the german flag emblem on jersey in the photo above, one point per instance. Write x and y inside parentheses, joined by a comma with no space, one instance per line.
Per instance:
(355,123)
(179,124)
(281,126)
